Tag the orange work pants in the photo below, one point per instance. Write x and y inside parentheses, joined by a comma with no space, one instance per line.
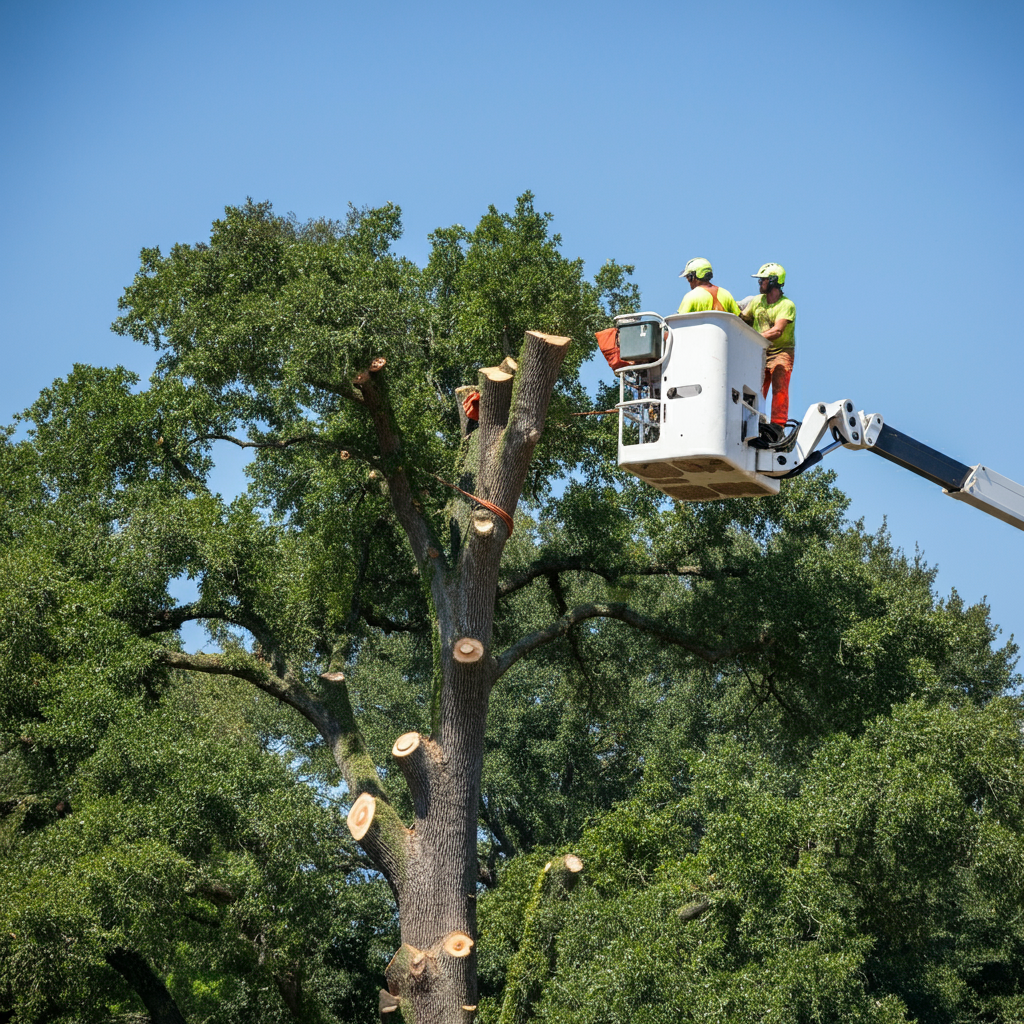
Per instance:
(777,372)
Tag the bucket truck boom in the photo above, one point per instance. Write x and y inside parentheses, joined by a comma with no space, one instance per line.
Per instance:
(689,421)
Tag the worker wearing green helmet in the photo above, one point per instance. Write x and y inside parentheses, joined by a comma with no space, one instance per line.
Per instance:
(703,294)
(774,316)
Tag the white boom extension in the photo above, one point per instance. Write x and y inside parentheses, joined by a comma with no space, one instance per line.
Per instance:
(690,418)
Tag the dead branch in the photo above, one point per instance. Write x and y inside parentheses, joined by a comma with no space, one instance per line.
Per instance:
(400,491)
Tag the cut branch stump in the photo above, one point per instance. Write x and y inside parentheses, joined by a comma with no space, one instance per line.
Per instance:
(458,944)
(406,744)
(360,817)
(467,650)
(410,751)
(482,523)
(387,1003)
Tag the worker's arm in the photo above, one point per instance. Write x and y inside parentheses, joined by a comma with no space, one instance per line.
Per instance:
(775,332)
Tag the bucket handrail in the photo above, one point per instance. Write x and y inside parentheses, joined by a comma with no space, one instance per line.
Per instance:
(666,334)
(668,345)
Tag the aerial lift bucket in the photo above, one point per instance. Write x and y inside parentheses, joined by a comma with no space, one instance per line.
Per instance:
(688,409)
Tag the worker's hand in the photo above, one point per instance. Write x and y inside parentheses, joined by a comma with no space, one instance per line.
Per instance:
(471,405)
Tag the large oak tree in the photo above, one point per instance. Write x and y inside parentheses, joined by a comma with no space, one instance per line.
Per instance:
(340,363)
(371,582)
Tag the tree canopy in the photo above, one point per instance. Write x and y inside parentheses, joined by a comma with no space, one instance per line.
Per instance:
(792,773)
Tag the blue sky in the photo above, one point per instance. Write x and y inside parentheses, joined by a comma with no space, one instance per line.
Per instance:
(874,149)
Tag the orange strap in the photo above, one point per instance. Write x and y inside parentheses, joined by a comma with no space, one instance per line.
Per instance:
(715,304)
(499,512)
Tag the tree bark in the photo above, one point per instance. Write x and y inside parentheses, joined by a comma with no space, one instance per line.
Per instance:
(433,974)
(146,985)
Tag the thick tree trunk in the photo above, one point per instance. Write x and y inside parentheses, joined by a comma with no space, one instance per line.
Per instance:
(147,986)
(433,974)
(431,867)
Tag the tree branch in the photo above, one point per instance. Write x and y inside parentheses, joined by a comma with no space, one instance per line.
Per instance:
(539,365)
(243,666)
(146,984)
(560,627)
(390,442)
(610,573)
(174,618)
(336,724)
(555,585)
(284,442)
(345,390)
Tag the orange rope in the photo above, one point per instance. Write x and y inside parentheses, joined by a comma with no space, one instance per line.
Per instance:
(499,512)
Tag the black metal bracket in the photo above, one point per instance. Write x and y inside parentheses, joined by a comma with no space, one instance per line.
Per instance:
(920,459)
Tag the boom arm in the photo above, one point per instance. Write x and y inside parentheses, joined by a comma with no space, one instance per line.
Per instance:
(975,485)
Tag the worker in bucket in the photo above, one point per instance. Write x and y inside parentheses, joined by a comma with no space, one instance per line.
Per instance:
(703,294)
(774,317)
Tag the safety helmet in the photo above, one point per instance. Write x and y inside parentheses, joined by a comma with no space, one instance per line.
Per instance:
(699,267)
(771,270)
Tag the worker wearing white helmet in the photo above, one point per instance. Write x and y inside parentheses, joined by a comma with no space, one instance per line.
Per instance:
(774,316)
(703,294)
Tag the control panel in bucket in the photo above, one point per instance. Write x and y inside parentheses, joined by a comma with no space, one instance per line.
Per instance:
(640,337)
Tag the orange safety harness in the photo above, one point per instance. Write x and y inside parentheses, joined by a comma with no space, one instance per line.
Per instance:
(712,289)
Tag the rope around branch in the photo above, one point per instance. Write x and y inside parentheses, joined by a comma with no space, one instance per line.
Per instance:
(499,512)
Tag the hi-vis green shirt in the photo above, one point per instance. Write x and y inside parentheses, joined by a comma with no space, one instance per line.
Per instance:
(698,299)
(765,317)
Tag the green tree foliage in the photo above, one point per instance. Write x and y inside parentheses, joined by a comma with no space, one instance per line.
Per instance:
(182,839)
(880,883)
(130,826)
(145,811)
(792,773)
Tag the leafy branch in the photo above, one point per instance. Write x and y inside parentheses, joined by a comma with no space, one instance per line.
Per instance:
(561,626)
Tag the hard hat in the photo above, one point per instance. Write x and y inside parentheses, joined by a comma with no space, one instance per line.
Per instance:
(772,270)
(699,267)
